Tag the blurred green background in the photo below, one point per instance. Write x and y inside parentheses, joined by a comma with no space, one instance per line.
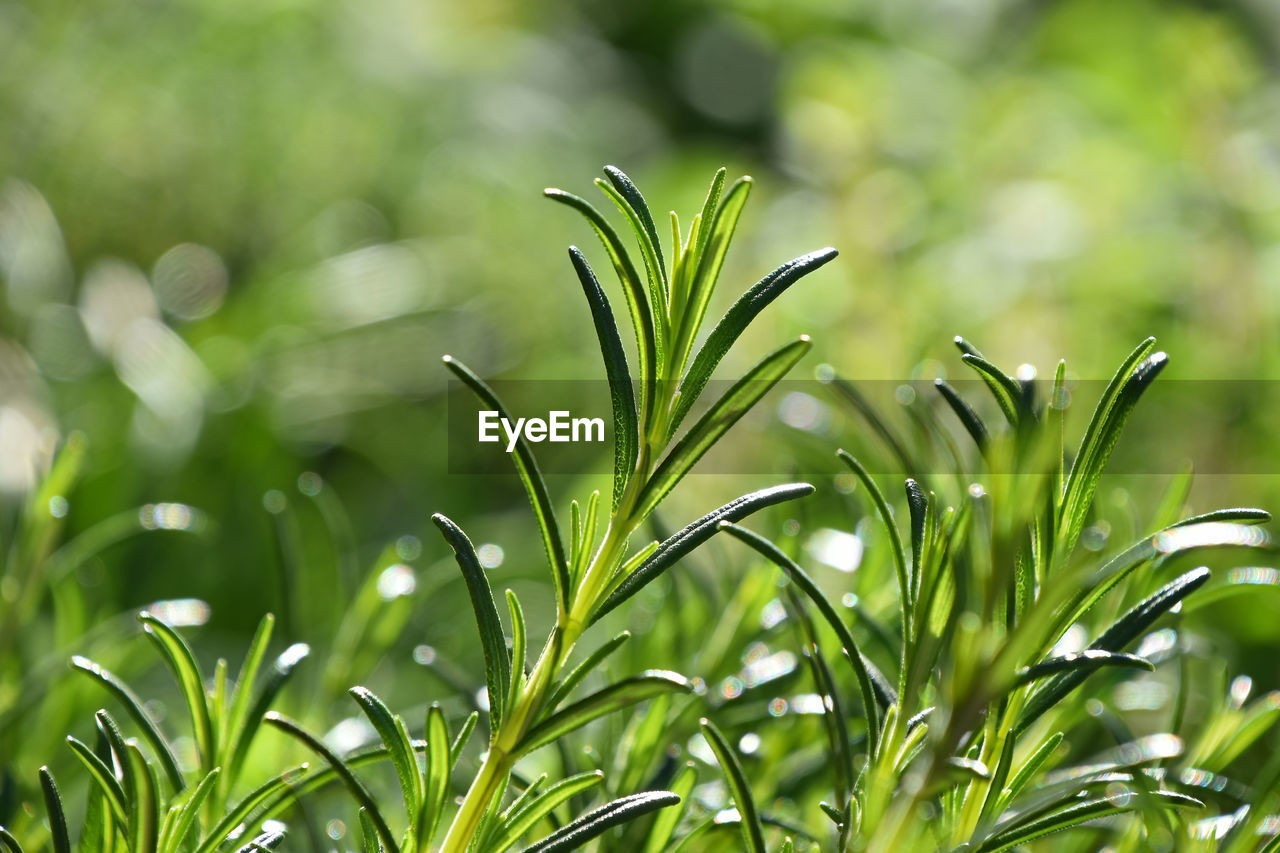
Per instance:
(236,237)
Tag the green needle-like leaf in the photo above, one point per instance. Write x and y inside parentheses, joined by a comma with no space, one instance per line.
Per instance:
(640,208)
(615,697)
(57,814)
(594,823)
(1086,661)
(800,578)
(582,670)
(752,830)
(182,663)
(395,737)
(144,811)
(726,411)
(632,287)
(492,640)
(626,430)
(357,789)
(968,417)
(189,811)
(133,704)
(103,775)
(664,825)
(732,324)
(1100,438)
(538,807)
(531,477)
(439,764)
(716,235)
(1125,630)
(680,545)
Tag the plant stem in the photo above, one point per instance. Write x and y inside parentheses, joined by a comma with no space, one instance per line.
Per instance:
(503,749)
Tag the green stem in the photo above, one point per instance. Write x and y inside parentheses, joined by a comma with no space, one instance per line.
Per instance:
(503,751)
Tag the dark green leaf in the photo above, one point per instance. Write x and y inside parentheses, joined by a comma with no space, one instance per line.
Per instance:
(391,730)
(680,545)
(182,663)
(496,663)
(57,814)
(626,435)
(1077,814)
(133,704)
(1125,630)
(536,808)
(594,823)
(615,697)
(1086,661)
(531,477)
(356,788)
(752,830)
(800,578)
(722,415)
(103,775)
(632,288)
(731,325)
(968,417)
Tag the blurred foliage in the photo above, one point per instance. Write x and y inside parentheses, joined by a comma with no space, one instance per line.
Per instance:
(236,237)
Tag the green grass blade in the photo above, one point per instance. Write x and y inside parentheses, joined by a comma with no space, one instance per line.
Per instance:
(968,417)
(732,324)
(133,705)
(722,415)
(531,476)
(1125,630)
(103,775)
(189,811)
(677,547)
(810,588)
(497,664)
(664,825)
(752,830)
(439,765)
(356,788)
(1086,661)
(633,289)
(582,670)
(626,429)
(182,663)
(615,697)
(527,817)
(61,839)
(594,823)
(391,730)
